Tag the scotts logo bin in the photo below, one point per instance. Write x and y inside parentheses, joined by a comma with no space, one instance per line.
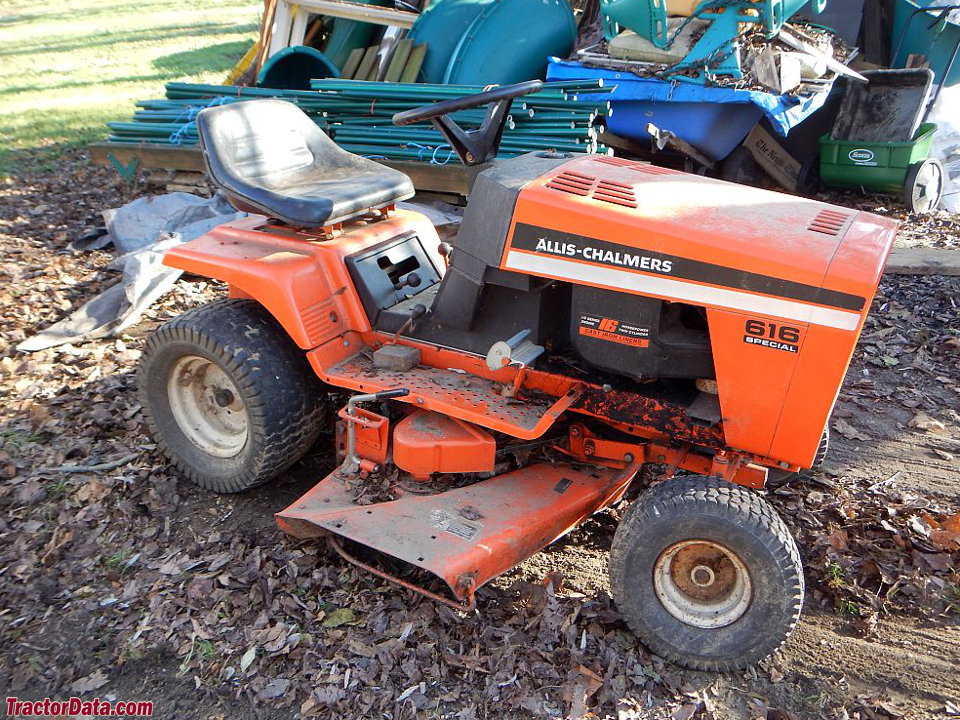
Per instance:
(861,156)
(876,166)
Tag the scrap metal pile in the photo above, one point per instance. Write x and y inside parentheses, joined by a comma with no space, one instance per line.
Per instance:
(357,115)
(736,44)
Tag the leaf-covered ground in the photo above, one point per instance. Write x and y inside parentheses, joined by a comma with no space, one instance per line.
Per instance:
(117,579)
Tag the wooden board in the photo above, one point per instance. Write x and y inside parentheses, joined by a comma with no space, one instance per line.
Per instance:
(289,27)
(414,63)
(399,60)
(771,156)
(353,62)
(450,179)
(368,63)
(923,261)
(148,155)
(358,11)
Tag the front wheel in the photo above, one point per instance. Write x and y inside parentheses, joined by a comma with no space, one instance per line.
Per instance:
(706,574)
(230,399)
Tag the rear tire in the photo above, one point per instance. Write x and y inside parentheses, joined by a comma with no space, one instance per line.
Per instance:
(706,574)
(777,477)
(822,450)
(229,398)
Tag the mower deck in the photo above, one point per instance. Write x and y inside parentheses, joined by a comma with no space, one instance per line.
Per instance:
(468,535)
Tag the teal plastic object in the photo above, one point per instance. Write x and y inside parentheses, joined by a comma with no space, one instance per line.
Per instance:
(647,18)
(511,41)
(294,67)
(715,53)
(925,36)
(441,26)
(348,35)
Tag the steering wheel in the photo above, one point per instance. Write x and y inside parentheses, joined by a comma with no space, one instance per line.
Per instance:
(475,146)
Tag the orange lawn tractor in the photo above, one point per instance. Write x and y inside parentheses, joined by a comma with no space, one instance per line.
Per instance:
(594,314)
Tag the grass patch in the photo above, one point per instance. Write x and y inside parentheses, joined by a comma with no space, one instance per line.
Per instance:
(67,68)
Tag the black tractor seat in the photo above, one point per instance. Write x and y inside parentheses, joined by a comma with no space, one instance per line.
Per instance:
(270,158)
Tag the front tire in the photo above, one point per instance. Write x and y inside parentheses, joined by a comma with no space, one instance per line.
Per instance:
(706,574)
(229,398)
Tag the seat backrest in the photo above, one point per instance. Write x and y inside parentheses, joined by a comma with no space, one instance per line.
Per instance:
(257,139)
(270,158)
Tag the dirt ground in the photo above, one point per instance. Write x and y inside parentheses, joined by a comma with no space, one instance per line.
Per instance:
(128,583)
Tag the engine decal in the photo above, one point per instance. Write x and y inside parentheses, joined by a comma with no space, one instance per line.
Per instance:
(776,299)
(671,289)
(604,328)
(559,244)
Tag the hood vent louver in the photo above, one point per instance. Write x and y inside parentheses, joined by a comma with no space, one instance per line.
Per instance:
(573,183)
(616,193)
(633,165)
(829,222)
(608,191)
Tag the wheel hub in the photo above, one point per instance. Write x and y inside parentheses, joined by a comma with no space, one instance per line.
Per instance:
(207,406)
(223,397)
(702,583)
(702,576)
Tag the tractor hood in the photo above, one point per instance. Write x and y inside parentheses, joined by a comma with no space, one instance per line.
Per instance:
(640,228)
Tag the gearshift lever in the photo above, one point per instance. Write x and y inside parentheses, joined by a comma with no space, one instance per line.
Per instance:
(412,279)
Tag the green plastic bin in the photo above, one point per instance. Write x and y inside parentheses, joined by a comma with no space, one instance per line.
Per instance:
(878,166)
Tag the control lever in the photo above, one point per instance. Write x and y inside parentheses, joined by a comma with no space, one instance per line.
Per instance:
(419,310)
(518,350)
(412,280)
(445,249)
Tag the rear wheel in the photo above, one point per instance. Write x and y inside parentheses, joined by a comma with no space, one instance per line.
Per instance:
(822,451)
(777,477)
(706,574)
(230,399)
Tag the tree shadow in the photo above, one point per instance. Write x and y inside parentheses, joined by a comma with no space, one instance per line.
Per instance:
(110,38)
(215,58)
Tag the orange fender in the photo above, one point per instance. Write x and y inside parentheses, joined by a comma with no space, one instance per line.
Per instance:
(301,279)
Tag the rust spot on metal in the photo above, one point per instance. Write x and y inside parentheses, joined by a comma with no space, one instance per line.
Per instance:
(648,416)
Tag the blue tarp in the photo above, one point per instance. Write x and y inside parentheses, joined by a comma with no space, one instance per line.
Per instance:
(783,111)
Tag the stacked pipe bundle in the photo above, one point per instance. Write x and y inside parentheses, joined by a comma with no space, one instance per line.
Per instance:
(357,115)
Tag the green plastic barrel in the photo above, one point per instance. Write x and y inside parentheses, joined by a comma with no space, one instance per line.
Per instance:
(294,67)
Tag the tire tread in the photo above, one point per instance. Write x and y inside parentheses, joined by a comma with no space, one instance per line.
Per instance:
(718,497)
(283,395)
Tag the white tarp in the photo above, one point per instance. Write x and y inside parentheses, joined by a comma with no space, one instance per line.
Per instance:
(946,144)
(141,231)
